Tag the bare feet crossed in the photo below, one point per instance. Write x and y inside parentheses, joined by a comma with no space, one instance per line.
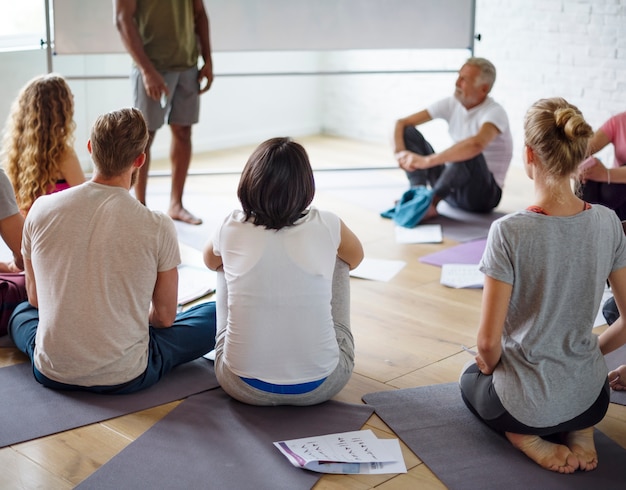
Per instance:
(553,457)
(582,445)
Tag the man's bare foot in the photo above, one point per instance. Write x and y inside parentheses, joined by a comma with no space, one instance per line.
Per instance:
(179,213)
(553,457)
(431,213)
(582,445)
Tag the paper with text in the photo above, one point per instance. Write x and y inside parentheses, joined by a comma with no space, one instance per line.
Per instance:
(356,452)
(462,276)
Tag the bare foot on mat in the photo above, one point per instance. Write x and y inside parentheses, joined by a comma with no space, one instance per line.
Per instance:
(582,445)
(553,457)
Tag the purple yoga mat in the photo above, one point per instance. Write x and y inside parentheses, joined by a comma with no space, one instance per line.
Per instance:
(466,454)
(465,253)
(42,411)
(213,441)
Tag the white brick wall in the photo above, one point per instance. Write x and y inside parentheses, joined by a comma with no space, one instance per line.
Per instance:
(541,48)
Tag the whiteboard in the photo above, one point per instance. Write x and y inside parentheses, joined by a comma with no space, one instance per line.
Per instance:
(87,26)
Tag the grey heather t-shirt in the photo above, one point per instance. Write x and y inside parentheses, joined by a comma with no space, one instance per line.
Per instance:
(551,368)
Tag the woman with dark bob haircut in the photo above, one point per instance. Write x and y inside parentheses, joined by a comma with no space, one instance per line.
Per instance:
(283,296)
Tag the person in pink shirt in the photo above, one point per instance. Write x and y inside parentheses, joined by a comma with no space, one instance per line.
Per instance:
(603,184)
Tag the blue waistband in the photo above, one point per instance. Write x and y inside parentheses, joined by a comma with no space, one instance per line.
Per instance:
(296,389)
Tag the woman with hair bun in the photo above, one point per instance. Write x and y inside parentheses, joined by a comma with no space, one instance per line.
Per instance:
(38,153)
(540,369)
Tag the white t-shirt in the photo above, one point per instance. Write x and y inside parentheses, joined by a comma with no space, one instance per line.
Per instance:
(280,327)
(95,252)
(463,124)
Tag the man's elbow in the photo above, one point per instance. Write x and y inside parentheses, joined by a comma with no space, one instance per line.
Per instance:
(401,124)
(121,21)
(167,319)
(161,318)
(477,146)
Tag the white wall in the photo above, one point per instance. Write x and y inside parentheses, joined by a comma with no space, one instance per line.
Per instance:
(236,111)
(541,48)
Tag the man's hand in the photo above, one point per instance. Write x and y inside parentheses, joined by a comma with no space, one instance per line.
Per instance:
(154,83)
(410,161)
(205,74)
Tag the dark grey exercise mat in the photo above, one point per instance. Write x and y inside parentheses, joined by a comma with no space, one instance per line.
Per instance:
(613,361)
(28,410)
(465,454)
(212,441)
(463,226)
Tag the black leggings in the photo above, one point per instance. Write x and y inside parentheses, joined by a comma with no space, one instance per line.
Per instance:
(612,196)
(467,185)
(481,398)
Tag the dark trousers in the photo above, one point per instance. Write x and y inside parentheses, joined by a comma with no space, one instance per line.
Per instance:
(481,398)
(612,196)
(467,185)
(191,336)
(610,311)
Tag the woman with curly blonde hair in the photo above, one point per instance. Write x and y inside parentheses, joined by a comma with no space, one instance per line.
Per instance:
(38,152)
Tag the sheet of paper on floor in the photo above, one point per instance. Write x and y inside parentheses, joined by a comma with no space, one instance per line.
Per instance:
(355,452)
(378,269)
(194,283)
(419,234)
(462,276)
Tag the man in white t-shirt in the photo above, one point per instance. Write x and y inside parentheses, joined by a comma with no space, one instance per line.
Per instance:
(469,174)
(102,278)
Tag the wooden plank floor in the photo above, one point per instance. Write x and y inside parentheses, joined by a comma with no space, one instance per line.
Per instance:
(408,331)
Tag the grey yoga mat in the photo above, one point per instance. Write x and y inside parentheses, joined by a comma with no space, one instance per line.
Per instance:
(28,410)
(465,454)
(463,226)
(213,441)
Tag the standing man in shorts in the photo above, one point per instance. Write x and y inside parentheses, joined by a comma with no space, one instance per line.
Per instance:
(165,39)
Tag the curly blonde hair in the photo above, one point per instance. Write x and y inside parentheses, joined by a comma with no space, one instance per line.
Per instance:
(39,132)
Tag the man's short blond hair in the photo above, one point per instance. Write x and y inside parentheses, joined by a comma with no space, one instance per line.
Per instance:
(117,139)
